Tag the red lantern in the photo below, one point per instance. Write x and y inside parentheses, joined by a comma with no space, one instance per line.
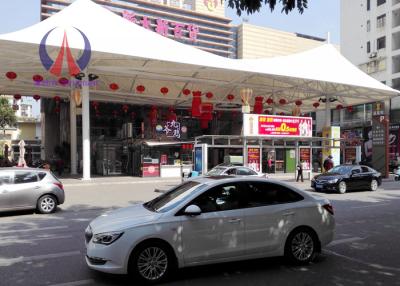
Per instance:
(153,116)
(206,115)
(63,81)
(171,114)
(339,106)
(37,78)
(270,101)
(316,104)
(186,92)
(17,96)
(164,90)
(230,97)
(209,95)
(350,108)
(11,75)
(196,104)
(125,108)
(57,98)
(258,105)
(298,102)
(282,101)
(36,97)
(113,86)
(140,88)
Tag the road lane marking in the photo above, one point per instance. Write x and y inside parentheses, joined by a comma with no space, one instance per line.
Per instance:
(75,283)
(10,261)
(15,240)
(372,265)
(33,229)
(345,240)
(369,206)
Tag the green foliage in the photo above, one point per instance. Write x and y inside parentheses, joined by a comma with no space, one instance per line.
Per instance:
(7,114)
(252,6)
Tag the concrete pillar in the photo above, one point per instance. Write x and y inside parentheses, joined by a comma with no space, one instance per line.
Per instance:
(327,111)
(72,128)
(85,128)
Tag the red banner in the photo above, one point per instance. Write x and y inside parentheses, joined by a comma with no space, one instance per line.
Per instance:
(305,158)
(285,126)
(253,159)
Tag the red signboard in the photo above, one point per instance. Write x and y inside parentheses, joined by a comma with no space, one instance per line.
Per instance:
(253,158)
(285,126)
(151,170)
(305,158)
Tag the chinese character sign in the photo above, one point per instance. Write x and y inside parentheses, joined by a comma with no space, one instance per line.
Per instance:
(172,129)
(253,158)
(162,27)
(276,126)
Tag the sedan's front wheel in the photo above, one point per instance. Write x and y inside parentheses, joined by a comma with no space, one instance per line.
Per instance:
(301,246)
(152,263)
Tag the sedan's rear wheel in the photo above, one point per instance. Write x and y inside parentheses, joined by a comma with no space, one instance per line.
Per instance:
(301,246)
(46,204)
(342,187)
(374,185)
(152,263)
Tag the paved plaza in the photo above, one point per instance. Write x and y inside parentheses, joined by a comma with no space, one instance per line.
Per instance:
(49,249)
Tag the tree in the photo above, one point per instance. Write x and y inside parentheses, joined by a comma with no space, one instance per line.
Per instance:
(7,114)
(251,6)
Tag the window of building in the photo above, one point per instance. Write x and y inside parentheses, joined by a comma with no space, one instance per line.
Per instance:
(380,2)
(368,5)
(368,47)
(381,43)
(381,21)
(368,26)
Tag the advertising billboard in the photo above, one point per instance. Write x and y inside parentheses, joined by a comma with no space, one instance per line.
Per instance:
(276,126)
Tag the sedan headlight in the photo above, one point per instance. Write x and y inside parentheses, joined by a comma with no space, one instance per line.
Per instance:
(333,181)
(106,238)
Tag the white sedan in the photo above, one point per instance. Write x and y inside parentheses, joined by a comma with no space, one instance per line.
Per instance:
(233,170)
(210,220)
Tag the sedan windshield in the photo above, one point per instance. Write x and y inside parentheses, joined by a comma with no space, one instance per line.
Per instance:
(215,171)
(342,170)
(172,198)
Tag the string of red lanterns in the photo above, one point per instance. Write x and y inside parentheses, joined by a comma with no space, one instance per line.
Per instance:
(36,97)
(140,88)
(186,92)
(113,86)
(11,75)
(270,101)
(316,104)
(230,97)
(298,102)
(209,95)
(339,106)
(37,78)
(282,101)
(164,90)
(63,81)
(17,96)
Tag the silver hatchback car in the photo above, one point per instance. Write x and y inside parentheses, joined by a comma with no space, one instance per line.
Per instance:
(28,188)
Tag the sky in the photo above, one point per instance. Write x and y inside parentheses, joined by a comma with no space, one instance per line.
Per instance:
(321,17)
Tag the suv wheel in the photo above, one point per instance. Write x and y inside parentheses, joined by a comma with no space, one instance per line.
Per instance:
(46,204)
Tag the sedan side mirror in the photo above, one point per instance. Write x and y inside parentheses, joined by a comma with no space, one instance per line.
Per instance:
(192,210)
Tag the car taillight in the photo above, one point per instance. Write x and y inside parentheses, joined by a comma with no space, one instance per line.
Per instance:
(329,208)
(59,185)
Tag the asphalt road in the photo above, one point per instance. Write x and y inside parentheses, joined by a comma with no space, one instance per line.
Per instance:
(49,249)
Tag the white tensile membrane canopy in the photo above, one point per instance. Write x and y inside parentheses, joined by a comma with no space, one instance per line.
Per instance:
(130,55)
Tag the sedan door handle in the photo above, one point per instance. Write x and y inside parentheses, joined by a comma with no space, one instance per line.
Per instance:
(288,214)
(235,220)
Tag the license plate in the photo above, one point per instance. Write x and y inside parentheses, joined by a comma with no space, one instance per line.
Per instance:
(318,186)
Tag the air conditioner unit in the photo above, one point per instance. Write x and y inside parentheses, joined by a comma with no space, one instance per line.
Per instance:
(373,55)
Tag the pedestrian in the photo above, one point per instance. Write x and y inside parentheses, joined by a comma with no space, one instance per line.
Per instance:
(269,163)
(328,163)
(300,171)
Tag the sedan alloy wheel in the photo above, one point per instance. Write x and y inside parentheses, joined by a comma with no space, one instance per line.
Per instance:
(374,185)
(342,187)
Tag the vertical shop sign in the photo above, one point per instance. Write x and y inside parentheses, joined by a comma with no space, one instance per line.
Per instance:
(305,158)
(172,129)
(380,139)
(253,158)
(163,160)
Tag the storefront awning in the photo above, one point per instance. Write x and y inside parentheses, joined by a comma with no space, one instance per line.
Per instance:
(129,55)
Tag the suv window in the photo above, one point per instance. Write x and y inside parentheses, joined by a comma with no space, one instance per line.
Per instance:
(220,198)
(5,178)
(245,172)
(263,194)
(25,177)
(41,175)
